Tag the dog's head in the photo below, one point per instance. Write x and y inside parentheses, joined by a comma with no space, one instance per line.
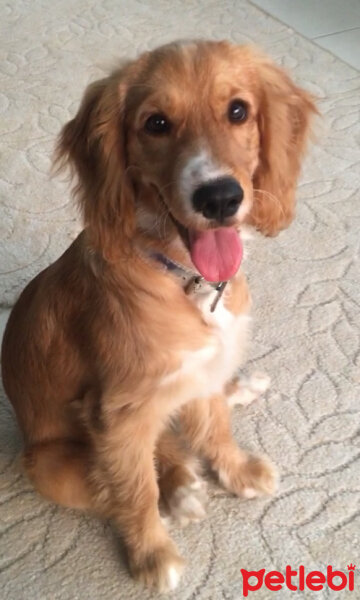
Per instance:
(208,133)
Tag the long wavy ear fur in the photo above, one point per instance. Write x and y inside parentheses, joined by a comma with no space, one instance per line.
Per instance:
(284,125)
(93,143)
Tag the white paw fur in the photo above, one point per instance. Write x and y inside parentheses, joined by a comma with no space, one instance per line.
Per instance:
(172,577)
(249,389)
(187,503)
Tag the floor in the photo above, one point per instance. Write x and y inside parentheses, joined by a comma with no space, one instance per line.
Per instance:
(3,318)
(332,24)
(305,287)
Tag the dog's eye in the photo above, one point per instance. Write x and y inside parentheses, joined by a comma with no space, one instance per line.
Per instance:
(237,111)
(157,124)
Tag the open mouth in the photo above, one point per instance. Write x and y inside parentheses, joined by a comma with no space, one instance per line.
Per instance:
(216,253)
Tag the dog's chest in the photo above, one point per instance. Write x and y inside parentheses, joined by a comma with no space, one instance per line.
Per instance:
(205,371)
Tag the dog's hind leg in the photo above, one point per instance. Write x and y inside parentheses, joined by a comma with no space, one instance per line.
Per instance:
(58,470)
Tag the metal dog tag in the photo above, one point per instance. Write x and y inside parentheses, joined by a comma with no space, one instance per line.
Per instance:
(219,292)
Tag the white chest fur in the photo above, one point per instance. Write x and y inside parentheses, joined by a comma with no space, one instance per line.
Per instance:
(204,372)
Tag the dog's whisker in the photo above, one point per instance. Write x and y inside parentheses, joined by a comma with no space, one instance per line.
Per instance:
(268,194)
(161,220)
(165,219)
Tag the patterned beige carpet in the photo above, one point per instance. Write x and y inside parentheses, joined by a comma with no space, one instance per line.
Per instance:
(306,316)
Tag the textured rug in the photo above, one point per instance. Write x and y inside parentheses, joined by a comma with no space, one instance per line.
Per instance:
(305,286)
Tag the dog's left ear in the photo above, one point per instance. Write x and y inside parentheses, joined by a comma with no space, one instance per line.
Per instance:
(284,124)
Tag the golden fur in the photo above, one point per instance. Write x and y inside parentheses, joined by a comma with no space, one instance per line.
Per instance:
(101,348)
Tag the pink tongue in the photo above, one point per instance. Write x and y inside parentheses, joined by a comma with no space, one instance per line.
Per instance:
(216,253)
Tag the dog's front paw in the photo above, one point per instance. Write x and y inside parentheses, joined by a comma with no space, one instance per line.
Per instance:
(249,477)
(187,502)
(160,569)
(244,391)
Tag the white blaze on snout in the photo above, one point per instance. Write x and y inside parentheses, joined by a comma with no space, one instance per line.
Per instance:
(199,169)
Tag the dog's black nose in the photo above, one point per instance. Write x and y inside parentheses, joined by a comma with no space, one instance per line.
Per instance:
(218,199)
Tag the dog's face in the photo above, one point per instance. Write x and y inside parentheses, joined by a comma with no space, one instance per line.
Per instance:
(208,132)
(193,134)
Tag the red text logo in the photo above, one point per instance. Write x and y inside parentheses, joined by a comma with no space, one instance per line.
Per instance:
(298,579)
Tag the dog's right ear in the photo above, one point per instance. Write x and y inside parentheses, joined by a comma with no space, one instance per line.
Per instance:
(93,144)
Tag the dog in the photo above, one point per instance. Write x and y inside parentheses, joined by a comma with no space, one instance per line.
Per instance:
(120,358)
